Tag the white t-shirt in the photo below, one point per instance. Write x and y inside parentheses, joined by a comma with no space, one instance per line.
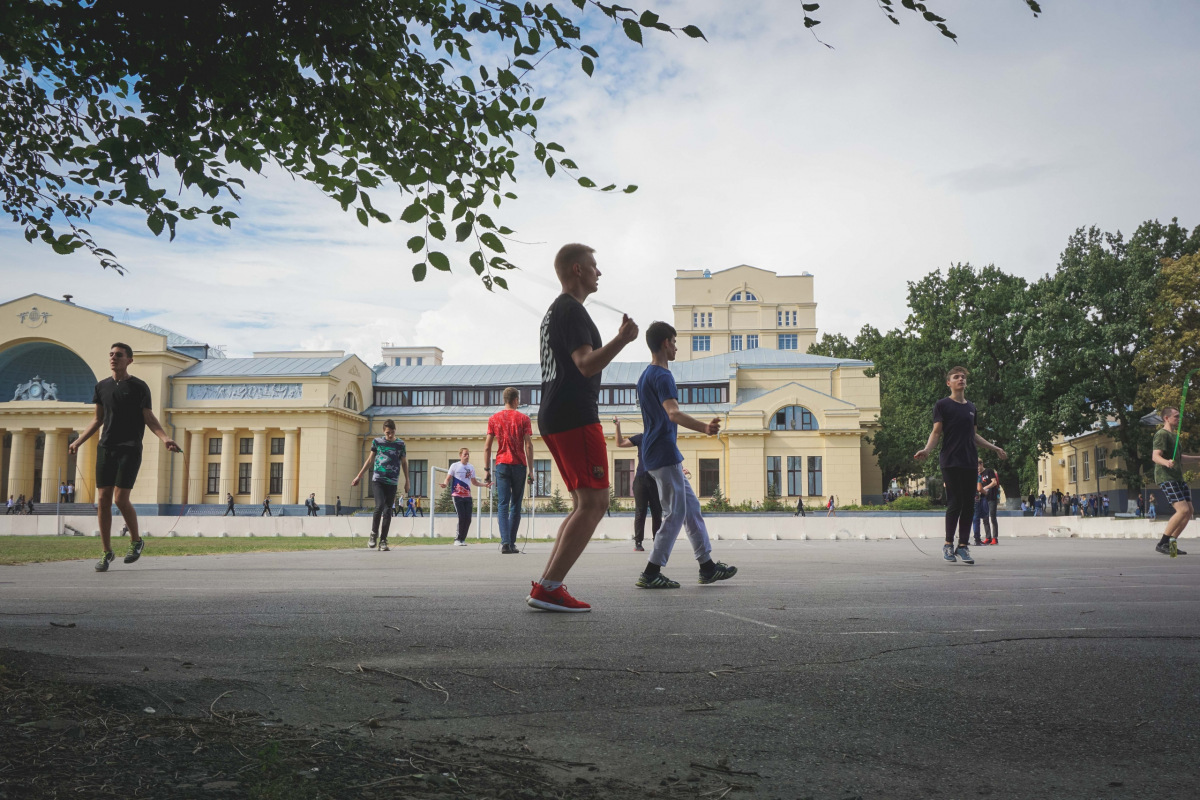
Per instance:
(461,476)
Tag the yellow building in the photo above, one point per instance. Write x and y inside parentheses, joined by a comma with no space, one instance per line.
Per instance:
(288,424)
(743,308)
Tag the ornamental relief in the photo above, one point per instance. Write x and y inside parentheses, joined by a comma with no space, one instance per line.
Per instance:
(243,391)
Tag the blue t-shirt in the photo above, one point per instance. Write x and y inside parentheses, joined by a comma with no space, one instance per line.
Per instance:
(658,439)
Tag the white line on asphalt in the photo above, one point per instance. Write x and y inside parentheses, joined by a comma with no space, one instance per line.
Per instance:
(747,619)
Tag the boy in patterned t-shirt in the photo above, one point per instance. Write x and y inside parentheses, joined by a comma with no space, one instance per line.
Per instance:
(389,458)
(1168,474)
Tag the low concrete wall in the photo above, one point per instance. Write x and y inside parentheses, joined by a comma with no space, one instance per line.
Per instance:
(725,526)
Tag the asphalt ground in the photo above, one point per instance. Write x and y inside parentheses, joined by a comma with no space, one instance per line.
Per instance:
(1060,668)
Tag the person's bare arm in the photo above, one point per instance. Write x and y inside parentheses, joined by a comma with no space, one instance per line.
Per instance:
(367,463)
(982,442)
(87,433)
(621,440)
(592,362)
(157,430)
(1157,457)
(934,435)
(529,459)
(487,450)
(404,469)
(688,421)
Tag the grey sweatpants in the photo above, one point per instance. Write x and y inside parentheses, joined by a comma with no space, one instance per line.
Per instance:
(681,509)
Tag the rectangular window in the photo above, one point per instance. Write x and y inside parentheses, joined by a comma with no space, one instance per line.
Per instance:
(420,360)
(541,476)
(277,445)
(243,479)
(246,447)
(774,476)
(624,397)
(1073,469)
(779,319)
(795,475)
(695,320)
(709,320)
(418,477)
(276,478)
(789,341)
(214,446)
(429,398)
(214,477)
(735,342)
(710,476)
(623,474)
(408,361)
(535,397)
(1101,460)
(751,341)
(815,489)
(1087,467)
(464,397)
(701,343)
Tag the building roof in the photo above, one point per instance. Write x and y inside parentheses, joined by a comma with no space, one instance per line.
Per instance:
(263,367)
(711,369)
(486,411)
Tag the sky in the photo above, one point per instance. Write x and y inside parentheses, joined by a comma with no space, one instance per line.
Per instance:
(893,154)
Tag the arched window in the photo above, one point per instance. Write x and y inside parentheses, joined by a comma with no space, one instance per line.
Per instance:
(351,403)
(793,418)
(741,295)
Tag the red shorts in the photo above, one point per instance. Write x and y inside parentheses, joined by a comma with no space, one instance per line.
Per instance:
(581,457)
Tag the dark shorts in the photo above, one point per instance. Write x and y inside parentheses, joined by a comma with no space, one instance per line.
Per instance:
(581,457)
(117,466)
(1176,492)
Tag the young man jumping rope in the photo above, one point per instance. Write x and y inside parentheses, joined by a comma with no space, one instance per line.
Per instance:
(390,459)
(1168,474)
(661,419)
(123,408)
(573,356)
(954,418)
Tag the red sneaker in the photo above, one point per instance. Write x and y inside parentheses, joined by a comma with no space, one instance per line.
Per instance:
(557,600)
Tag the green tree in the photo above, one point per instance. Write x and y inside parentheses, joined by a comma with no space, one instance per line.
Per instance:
(155,106)
(1173,347)
(444,503)
(557,503)
(1096,313)
(717,502)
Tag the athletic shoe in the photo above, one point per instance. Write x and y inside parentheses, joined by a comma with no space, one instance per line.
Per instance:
(457,543)
(948,553)
(965,554)
(994,541)
(557,600)
(979,543)
(102,564)
(637,547)
(135,551)
(721,572)
(1171,549)
(655,581)
(373,541)
(383,548)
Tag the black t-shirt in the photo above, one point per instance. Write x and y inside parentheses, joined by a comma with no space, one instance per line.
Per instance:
(123,402)
(987,477)
(958,433)
(568,398)
(636,439)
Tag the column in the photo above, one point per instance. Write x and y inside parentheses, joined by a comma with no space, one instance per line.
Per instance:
(4,468)
(258,466)
(228,463)
(85,471)
(19,479)
(196,478)
(291,466)
(52,462)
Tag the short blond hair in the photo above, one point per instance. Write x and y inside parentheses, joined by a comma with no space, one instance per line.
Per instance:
(568,256)
(511,394)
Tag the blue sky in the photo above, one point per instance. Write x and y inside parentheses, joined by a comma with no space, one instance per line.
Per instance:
(895,153)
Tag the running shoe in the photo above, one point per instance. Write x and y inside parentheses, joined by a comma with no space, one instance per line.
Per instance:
(557,600)
(457,543)
(721,572)
(373,541)
(383,548)
(1170,549)
(637,547)
(102,564)
(655,581)
(948,553)
(135,551)
(965,554)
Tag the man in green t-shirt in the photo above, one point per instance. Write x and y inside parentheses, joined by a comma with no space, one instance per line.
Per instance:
(1168,473)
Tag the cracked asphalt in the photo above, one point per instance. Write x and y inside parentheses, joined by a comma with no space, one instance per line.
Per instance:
(1051,668)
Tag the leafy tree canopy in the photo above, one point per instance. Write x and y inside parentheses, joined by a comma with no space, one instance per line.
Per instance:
(155,105)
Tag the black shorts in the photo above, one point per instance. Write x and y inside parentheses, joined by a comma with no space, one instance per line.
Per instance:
(117,466)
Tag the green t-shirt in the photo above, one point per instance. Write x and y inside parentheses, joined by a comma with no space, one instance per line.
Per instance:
(1164,440)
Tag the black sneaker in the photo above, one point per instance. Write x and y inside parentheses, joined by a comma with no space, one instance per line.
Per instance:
(637,547)
(1165,549)
(135,551)
(721,572)
(383,548)
(655,581)
(373,540)
(102,564)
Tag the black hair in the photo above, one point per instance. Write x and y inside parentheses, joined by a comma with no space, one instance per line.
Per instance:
(657,333)
(128,350)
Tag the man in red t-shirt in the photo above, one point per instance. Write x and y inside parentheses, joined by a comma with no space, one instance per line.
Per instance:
(513,433)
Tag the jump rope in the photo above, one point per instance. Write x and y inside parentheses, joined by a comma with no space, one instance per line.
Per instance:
(1182,405)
